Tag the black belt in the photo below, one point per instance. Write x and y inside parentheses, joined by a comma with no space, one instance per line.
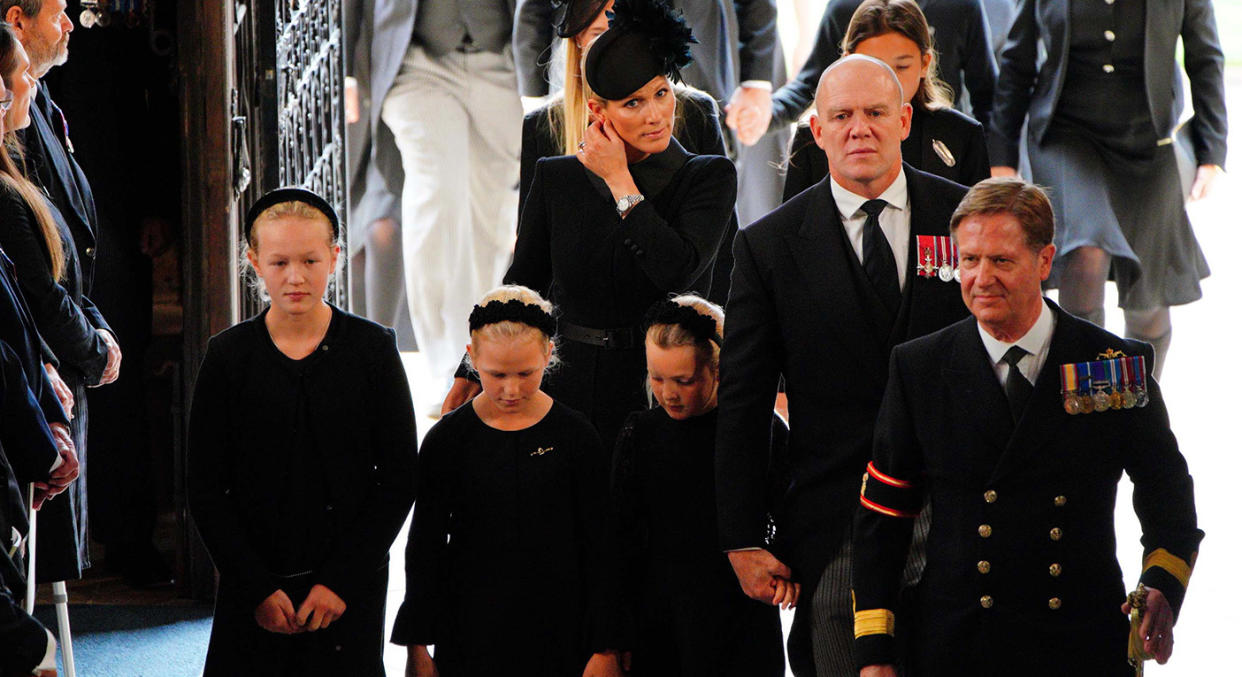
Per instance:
(611,339)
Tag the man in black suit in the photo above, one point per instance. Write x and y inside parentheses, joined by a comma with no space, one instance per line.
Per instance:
(1021,559)
(822,290)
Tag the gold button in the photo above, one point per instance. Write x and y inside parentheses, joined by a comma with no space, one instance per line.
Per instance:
(1054,570)
(1055,534)
(986,601)
(984,566)
(1108,68)
(989,496)
(90,252)
(1054,603)
(985,530)
(1110,36)
(1060,501)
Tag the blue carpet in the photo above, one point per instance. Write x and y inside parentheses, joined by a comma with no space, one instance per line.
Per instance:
(135,641)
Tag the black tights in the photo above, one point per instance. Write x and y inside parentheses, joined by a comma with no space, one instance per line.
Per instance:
(1082,294)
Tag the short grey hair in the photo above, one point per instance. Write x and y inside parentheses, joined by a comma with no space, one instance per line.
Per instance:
(854,58)
(30,8)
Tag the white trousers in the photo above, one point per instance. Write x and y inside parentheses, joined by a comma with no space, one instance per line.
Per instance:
(457,120)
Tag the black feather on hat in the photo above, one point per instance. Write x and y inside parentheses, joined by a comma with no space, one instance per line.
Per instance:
(645,38)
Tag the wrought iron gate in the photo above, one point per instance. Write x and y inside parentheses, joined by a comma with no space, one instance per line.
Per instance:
(288,110)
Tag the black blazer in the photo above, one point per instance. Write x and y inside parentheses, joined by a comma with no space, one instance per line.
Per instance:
(800,307)
(945,430)
(736,42)
(1028,89)
(19,331)
(957,133)
(343,412)
(65,317)
(960,34)
(50,164)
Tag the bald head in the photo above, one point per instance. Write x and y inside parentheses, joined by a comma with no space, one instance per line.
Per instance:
(860,120)
(858,68)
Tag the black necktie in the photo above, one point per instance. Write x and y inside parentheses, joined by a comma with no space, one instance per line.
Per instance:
(1017,388)
(878,258)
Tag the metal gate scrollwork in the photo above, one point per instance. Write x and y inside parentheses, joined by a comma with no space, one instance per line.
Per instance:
(291,70)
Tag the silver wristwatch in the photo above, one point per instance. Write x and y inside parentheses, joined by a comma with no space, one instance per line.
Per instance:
(628,202)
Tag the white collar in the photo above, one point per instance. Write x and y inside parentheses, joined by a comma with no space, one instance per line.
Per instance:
(1035,341)
(849,203)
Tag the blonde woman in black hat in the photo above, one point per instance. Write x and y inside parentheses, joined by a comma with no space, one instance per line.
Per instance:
(301,461)
(628,219)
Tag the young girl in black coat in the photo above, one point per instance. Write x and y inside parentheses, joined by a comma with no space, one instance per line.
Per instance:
(301,461)
(505,566)
(686,611)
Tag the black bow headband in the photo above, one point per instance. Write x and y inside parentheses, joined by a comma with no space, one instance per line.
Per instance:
(701,327)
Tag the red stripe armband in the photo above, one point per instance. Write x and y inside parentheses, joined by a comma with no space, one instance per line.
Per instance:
(890,495)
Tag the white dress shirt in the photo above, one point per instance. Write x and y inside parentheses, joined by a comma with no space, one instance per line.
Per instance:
(1035,342)
(894,220)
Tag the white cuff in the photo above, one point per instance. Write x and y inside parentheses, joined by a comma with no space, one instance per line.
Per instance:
(757,84)
(49,657)
(60,460)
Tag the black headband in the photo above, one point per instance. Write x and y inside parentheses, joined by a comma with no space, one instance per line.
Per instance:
(645,38)
(701,327)
(291,194)
(512,310)
(571,17)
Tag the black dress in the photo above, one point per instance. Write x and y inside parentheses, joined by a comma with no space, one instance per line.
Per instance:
(504,565)
(67,320)
(301,472)
(697,129)
(943,142)
(685,608)
(602,272)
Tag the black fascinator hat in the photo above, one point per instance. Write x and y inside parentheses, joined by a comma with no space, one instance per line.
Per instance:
(571,17)
(645,38)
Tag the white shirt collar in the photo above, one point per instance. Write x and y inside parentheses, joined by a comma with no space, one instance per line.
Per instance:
(849,203)
(1036,342)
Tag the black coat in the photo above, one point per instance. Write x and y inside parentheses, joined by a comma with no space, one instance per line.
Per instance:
(945,431)
(49,158)
(961,136)
(23,638)
(505,565)
(300,465)
(1029,86)
(679,593)
(603,272)
(801,308)
(67,320)
(960,34)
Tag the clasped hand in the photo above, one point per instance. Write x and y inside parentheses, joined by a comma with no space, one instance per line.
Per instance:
(320,608)
(764,578)
(748,113)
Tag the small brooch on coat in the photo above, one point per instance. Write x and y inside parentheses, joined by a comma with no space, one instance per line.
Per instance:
(541,451)
(943,151)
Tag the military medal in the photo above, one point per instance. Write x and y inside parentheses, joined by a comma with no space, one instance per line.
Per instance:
(927,244)
(942,249)
(1139,366)
(1069,390)
(1127,384)
(1114,380)
(1085,402)
(1099,387)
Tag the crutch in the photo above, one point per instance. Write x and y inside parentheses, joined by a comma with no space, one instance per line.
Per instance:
(60,596)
